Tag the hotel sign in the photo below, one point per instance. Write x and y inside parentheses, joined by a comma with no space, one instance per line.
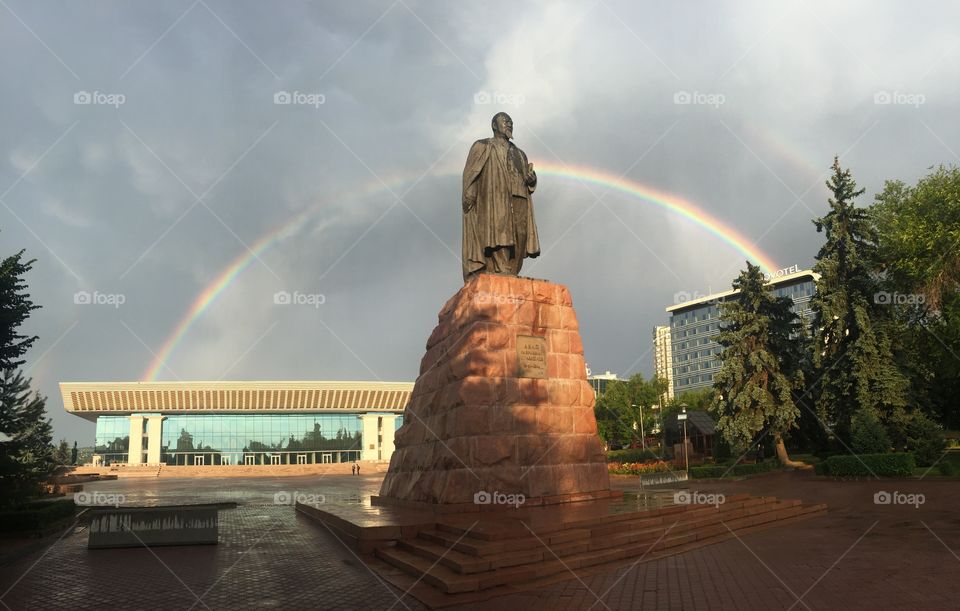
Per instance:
(786,271)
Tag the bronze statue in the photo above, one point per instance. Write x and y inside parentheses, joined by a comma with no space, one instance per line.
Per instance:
(498,224)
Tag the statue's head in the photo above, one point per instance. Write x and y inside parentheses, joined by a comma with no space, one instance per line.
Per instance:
(502,124)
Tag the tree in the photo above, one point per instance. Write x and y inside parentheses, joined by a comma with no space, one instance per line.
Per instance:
(27,456)
(919,246)
(61,453)
(854,369)
(760,365)
(15,308)
(625,404)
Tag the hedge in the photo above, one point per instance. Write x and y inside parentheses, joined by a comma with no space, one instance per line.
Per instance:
(900,464)
(717,471)
(35,516)
(631,455)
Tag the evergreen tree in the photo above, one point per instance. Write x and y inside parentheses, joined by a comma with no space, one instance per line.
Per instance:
(854,369)
(15,307)
(61,453)
(761,365)
(28,456)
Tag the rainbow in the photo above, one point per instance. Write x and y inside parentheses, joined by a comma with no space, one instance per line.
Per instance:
(582,174)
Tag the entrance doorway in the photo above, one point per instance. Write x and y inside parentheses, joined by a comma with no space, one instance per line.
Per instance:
(198,460)
(249,459)
(326,457)
(275,459)
(301,459)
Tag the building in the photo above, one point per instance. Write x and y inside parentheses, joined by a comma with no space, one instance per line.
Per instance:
(239,423)
(695,323)
(662,358)
(600,381)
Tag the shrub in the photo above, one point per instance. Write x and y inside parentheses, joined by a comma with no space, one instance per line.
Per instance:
(945,468)
(631,455)
(34,517)
(868,465)
(925,439)
(708,471)
(716,471)
(867,435)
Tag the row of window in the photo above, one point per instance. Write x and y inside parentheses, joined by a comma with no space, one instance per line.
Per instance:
(699,354)
(713,364)
(240,432)
(705,377)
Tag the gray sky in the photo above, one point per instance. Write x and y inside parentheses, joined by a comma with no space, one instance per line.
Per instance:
(182,161)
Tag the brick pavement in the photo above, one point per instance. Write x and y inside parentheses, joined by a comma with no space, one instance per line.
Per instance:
(269,557)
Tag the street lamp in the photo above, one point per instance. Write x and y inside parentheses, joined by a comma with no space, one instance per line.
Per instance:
(683,417)
(643,440)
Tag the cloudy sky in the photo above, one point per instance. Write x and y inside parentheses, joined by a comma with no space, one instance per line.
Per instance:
(145,149)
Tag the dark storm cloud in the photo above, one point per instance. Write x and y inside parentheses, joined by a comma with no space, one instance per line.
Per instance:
(772,92)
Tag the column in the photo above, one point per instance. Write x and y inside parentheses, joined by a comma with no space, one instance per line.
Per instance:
(368,436)
(154,438)
(389,424)
(135,451)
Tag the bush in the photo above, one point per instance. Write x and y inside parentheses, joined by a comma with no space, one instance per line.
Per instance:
(945,468)
(708,472)
(867,435)
(868,465)
(716,471)
(925,439)
(36,516)
(631,455)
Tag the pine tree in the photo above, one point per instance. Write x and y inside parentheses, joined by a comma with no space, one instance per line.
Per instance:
(15,307)
(761,365)
(854,368)
(28,456)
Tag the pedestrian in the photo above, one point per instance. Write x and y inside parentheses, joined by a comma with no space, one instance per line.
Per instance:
(353,469)
(358,468)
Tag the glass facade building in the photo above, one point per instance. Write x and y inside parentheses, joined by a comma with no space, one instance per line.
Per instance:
(694,325)
(245,423)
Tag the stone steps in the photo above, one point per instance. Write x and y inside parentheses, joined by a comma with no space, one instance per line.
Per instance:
(454,559)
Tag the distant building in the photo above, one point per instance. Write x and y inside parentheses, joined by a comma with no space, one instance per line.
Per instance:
(239,423)
(600,381)
(695,323)
(662,358)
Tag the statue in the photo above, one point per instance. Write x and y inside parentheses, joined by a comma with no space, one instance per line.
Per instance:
(499,230)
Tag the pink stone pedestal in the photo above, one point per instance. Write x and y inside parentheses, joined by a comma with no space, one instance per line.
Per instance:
(473,425)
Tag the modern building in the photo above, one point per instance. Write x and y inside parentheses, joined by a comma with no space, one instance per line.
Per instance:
(695,323)
(662,358)
(239,423)
(600,381)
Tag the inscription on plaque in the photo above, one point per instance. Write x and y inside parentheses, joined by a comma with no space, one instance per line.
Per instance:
(531,357)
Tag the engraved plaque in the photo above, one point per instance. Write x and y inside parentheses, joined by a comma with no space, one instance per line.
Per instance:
(531,357)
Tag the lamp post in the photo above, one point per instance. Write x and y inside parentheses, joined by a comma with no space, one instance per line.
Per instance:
(683,416)
(643,440)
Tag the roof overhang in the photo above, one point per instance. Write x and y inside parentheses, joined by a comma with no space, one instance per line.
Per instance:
(91,399)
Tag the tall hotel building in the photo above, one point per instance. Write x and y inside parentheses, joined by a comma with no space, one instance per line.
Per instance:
(695,323)
(663,357)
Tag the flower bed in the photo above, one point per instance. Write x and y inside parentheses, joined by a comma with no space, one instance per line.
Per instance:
(637,468)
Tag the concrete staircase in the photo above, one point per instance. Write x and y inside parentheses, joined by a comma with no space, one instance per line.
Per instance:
(460,557)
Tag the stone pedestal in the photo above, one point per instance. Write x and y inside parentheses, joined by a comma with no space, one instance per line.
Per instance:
(476,425)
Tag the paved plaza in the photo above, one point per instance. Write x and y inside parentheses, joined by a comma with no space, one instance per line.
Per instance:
(860,555)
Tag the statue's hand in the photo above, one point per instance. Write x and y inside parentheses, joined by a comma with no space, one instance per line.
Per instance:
(531,176)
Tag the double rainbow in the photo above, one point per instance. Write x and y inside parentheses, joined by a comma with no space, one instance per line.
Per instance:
(671,203)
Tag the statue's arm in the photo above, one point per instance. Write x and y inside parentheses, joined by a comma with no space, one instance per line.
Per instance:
(531,178)
(471,171)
